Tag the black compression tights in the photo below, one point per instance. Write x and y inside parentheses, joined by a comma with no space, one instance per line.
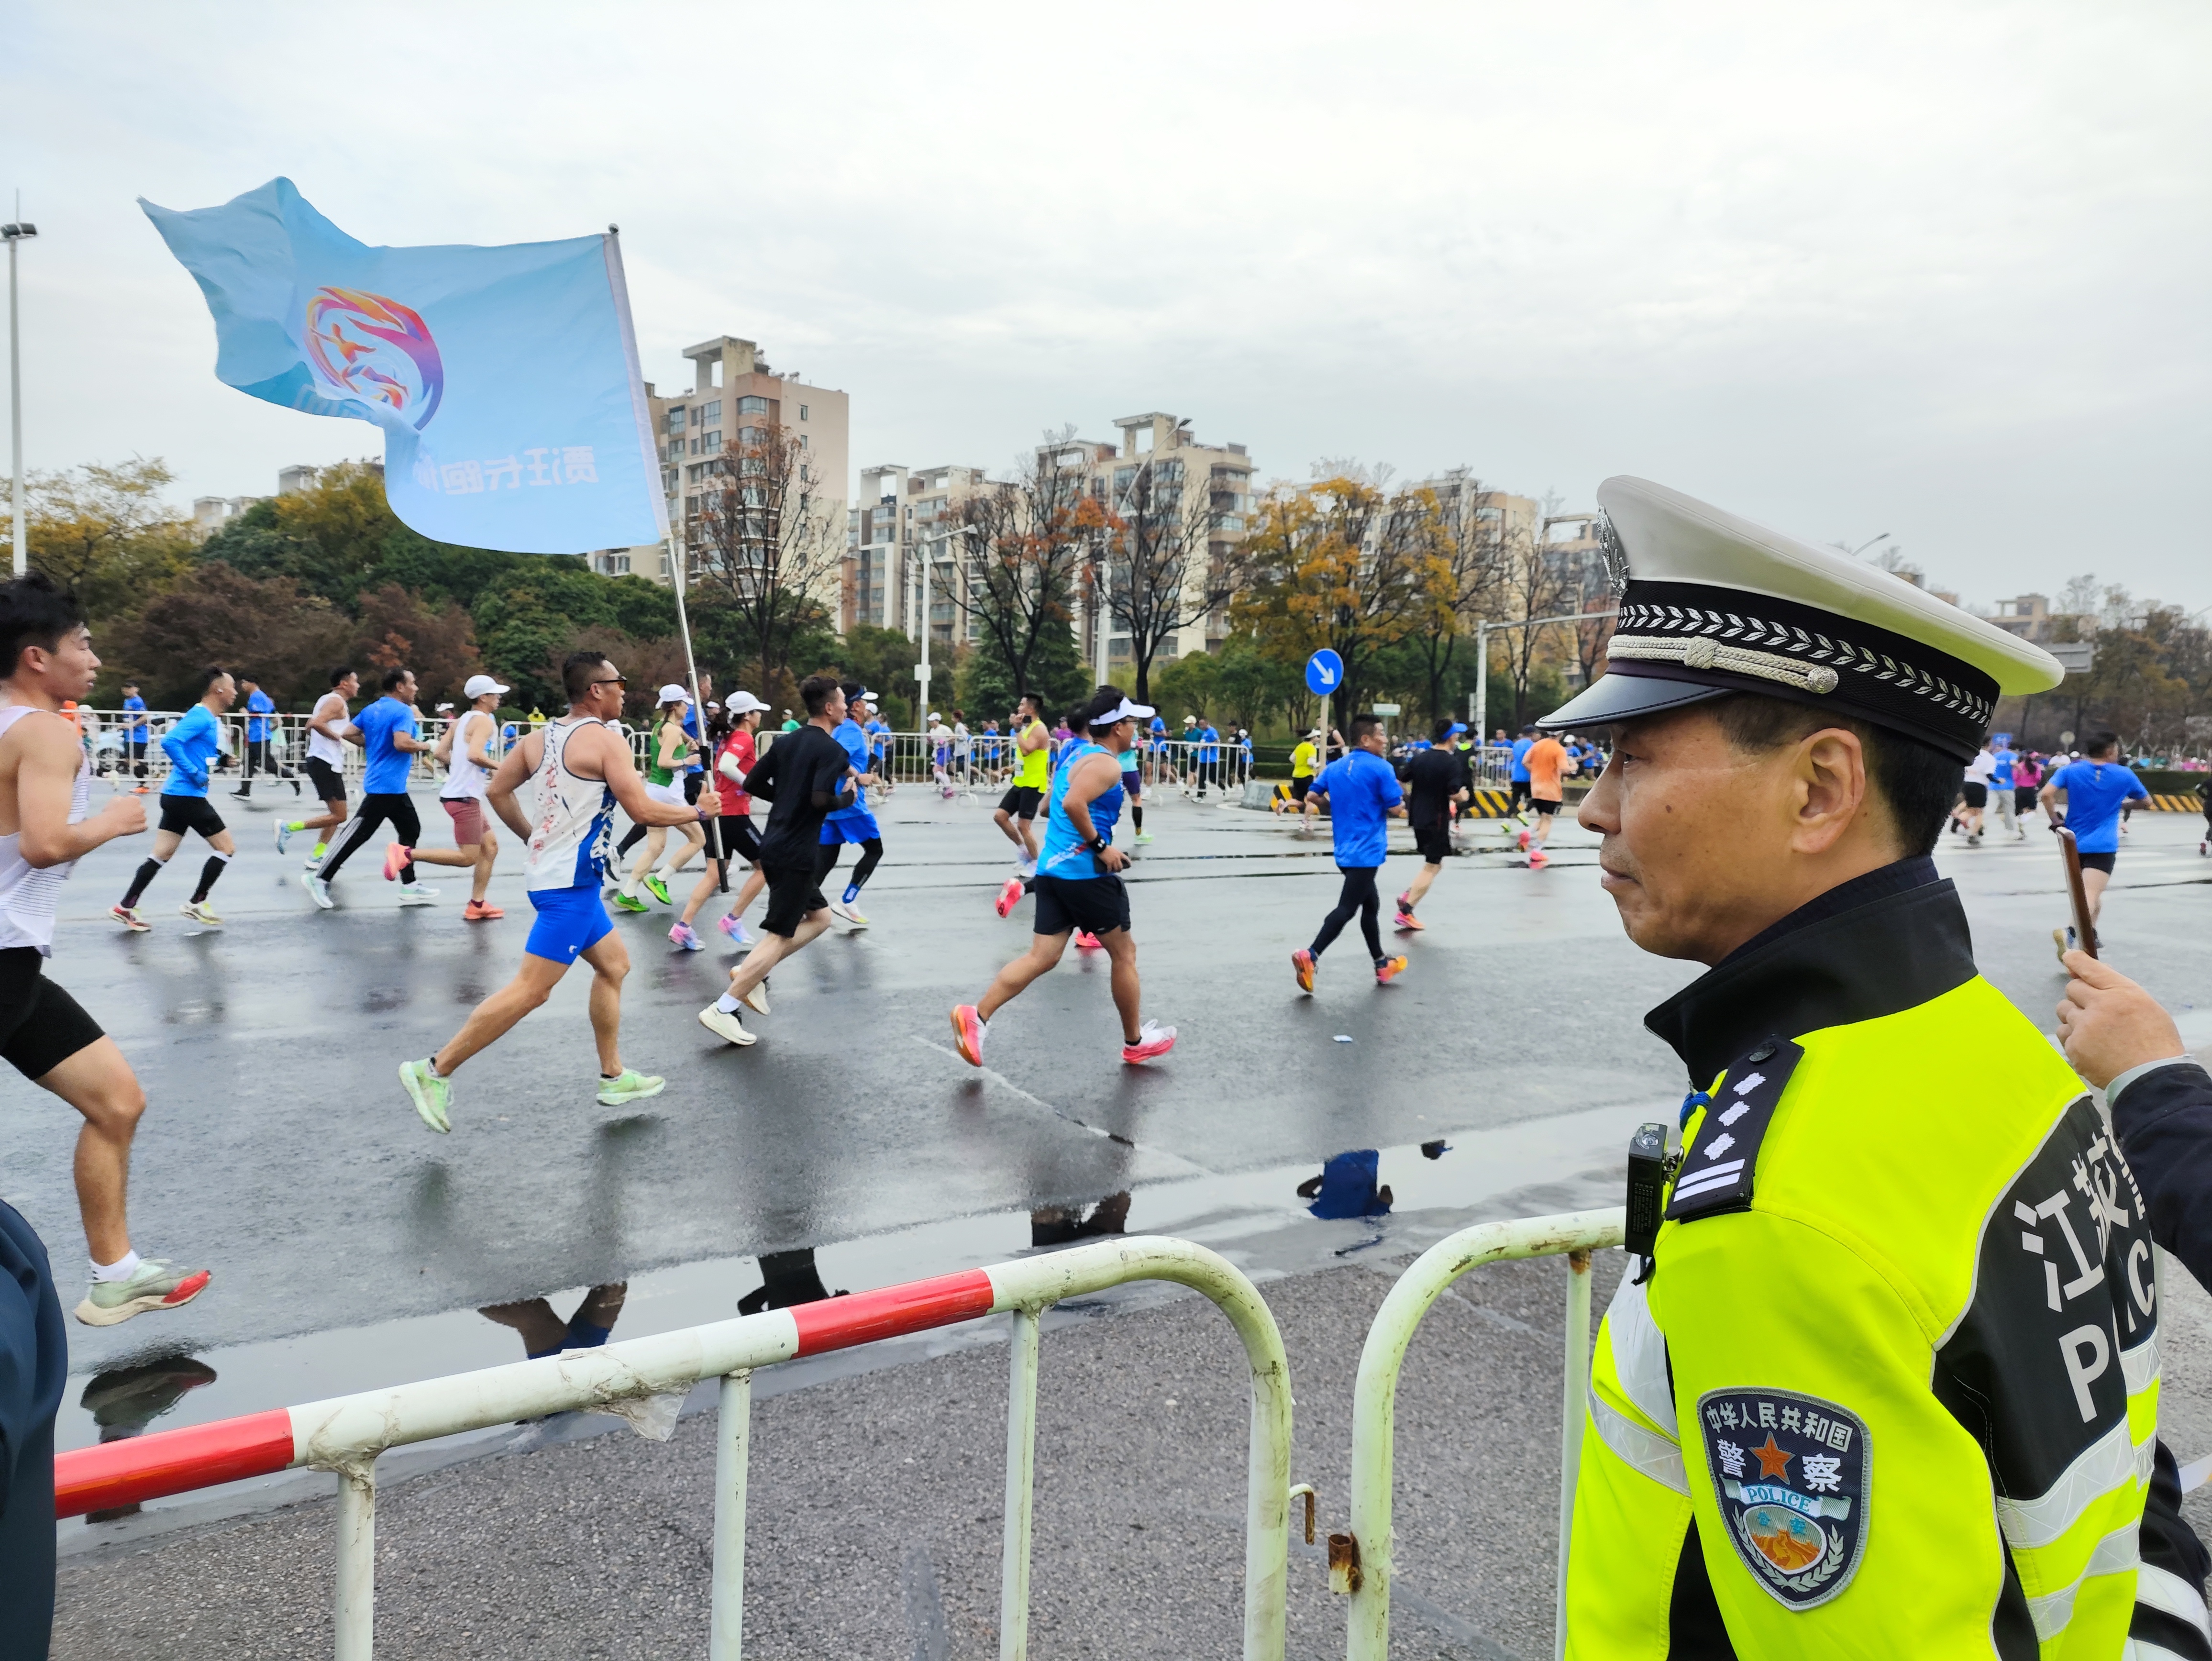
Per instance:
(871,855)
(1358,895)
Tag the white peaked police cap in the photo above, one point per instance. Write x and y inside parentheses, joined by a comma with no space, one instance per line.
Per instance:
(479,685)
(744,703)
(1711,603)
(673,693)
(1128,711)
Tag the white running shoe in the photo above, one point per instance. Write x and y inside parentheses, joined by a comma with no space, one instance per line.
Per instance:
(418,893)
(756,999)
(284,835)
(318,890)
(726,1027)
(850,914)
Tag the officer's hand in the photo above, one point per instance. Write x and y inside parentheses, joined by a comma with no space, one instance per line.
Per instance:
(2108,1024)
(124,816)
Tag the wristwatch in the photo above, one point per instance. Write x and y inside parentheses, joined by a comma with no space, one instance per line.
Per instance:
(1099,844)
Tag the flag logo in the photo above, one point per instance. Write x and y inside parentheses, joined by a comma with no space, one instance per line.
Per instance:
(372,347)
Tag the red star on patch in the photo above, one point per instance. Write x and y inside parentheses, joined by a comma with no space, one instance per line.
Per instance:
(1772,1461)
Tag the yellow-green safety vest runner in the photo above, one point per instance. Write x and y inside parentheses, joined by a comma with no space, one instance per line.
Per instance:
(1892,1384)
(1034,771)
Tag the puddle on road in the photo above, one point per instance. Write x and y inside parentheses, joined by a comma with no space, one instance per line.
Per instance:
(1281,1220)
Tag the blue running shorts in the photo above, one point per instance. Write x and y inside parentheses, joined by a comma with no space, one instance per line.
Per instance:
(859,827)
(571,921)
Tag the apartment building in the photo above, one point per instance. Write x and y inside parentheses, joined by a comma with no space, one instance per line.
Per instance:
(1185,476)
(898,537)
(735,396)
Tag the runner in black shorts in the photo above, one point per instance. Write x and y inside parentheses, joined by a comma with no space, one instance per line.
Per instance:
(1437,778)
(46,788)
(192,745)
(804,775)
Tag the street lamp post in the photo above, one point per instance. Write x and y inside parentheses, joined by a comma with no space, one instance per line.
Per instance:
(17,231)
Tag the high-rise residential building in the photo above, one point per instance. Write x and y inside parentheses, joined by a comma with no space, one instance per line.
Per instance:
(211,513)
(898,538)
(1199,481)
(737,399)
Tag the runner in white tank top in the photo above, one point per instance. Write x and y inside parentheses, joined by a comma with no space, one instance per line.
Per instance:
(28,894)
(568,852)
(325,768)
(569,847)
(45,1034)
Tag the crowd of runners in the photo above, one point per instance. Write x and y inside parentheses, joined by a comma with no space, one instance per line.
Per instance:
(1070,780)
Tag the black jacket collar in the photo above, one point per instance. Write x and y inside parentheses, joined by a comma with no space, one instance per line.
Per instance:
(1872,946)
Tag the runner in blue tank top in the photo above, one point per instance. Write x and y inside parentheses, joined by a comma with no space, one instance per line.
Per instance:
(1078,883)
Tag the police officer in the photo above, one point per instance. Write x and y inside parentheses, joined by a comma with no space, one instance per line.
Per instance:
(1887,1385)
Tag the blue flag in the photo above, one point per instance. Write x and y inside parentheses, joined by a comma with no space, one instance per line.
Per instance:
(505,380)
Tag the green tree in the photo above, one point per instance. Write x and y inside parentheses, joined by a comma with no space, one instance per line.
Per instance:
(884,659)
(104,531)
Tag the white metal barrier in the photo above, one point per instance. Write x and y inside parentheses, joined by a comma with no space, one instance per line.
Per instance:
(1360,1561)
(346,1434)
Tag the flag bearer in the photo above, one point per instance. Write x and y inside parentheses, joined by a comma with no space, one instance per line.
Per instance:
(1889,1381)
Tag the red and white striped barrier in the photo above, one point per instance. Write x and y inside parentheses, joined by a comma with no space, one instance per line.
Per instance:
(346,1434)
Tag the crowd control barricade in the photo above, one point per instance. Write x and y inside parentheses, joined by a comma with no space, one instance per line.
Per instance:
(345,1435)
(1360,1562)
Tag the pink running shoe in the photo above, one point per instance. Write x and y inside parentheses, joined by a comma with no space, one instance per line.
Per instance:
(1153,1041)
(1408,924)
(1521,841)
(968,1034)
(1087,942)
(397,858)
(1010,896)
(1538,858)
(681,935)
(734,927)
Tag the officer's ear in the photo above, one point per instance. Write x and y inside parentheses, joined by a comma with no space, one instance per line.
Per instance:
(1828,780)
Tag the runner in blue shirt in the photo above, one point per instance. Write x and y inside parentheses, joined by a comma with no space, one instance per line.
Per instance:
(1363,795)
(259,706)
(192,745)
(1209,755)
(389,733)
(1520,803)
(2000,783)
(2095,790)
(855,824)
(134,732)
(1078,884)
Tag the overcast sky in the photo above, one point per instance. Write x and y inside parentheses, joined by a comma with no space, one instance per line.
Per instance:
(1934,270)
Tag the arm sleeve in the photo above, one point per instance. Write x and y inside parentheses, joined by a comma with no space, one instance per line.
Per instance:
(2164,1119)
(761,780)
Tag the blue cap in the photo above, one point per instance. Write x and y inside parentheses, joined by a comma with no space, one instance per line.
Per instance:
(1458,727)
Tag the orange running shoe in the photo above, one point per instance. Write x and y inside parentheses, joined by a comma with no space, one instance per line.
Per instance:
(968,1034)
(1303,961)
(480,911)
(1389,970)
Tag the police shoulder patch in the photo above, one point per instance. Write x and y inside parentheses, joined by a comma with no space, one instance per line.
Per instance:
(1721,1165)
(1791,1473)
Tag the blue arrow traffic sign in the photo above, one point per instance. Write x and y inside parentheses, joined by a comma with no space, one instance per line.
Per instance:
(1324,672)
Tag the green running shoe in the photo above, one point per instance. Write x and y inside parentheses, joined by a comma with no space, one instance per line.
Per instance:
(657,886)
(431,1094)
(628,901)
(629,1086)
(155,1284)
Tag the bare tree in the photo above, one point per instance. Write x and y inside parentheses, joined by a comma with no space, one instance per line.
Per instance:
(756,525)
(1161,562)
(1536,584)
(1461,578)
(1022,544)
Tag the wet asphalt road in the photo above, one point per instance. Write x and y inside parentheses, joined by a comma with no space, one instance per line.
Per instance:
(279,1149)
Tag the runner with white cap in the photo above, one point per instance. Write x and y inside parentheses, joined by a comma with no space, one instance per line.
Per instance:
(855,824)
(466,748)
(732,833)
(672,749)
(1078,885)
